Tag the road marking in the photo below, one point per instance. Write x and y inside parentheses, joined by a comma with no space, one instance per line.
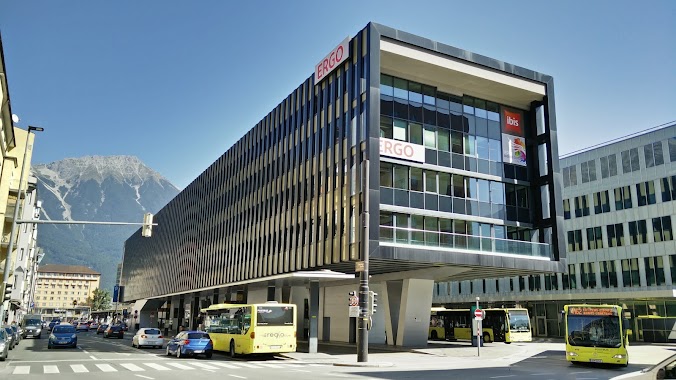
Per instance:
(300,370)
(248,365)
(157,366)
(203,365)
(93,357)
(22,370)
(226,365)
(132,367)
(78,368)
(292,365)
(106,368)
(271,365)
(500,377)
(145,377)
(179,365)
(542,374)
(575,373)
(239,377)
(50,369)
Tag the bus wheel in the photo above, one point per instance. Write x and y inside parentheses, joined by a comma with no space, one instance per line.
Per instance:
(487,338)
(508,342)
(434,335)
(232,349)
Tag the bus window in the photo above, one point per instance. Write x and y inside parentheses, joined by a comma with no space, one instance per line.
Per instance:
(274,316)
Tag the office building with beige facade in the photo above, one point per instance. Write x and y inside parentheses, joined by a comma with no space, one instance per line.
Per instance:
(63,290)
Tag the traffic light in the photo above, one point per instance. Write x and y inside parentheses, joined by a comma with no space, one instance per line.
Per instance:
(147,228)
(7,292)
(74,302)
(373,302)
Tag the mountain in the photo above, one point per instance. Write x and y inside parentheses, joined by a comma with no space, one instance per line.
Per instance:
(101,189)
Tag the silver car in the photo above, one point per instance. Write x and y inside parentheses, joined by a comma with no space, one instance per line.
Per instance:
(9,332)
(4,345)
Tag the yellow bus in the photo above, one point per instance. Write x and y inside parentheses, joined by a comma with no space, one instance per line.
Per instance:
(500,325)
(596,334)
(241,329)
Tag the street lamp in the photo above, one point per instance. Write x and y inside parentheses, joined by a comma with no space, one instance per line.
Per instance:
(8,260)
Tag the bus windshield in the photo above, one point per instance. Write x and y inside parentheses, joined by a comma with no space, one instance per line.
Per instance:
(518,320)
(274,316)
(594,331)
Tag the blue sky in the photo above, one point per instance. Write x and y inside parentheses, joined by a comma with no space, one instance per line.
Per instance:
(176,83)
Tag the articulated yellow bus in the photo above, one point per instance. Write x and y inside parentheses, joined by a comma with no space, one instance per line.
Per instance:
(241,329)
(500,325)
(596,334)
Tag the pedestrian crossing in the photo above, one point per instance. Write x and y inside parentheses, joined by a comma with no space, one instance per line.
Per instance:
(166,365)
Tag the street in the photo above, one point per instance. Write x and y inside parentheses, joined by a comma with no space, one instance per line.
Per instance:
(110,358)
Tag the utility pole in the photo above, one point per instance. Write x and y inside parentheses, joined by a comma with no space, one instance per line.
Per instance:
(363,320)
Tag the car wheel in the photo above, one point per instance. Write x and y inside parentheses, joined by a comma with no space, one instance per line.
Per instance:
(232,349)
(209,354)
(178,352)
(168,353)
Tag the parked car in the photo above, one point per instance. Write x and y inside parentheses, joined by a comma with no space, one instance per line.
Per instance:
(31,327)
(63,335)
(114,330)
(191,343)
(666,369)
(147,337)
(102,327)
(93,326)
(124,326)
(4,345)
(10,336)
(17,334)
(82,327)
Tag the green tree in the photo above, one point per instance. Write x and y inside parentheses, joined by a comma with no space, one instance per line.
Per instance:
(100,300)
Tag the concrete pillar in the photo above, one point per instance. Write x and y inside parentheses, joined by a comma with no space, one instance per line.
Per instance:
(414,312)
(390,298)
(314,317)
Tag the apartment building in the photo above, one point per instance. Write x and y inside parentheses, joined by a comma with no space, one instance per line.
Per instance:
(63,290)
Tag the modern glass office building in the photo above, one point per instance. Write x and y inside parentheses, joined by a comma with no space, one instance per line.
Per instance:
(457,153)
(619,202)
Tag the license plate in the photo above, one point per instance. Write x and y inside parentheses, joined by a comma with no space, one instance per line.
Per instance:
(198,351)
(275,347)
(595,361)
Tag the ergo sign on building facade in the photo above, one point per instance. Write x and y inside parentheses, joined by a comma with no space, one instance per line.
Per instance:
(401,149)
(332,60)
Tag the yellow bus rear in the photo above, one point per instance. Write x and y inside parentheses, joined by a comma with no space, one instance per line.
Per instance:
(241,329)
(596,334)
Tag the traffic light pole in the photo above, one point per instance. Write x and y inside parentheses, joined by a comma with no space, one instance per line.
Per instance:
(362,323)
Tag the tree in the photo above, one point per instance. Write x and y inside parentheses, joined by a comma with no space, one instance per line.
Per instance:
(100,300)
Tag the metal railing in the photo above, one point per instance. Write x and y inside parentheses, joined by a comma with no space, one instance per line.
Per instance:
(424,238)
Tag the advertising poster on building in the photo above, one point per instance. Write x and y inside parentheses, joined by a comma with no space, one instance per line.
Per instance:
(513,149)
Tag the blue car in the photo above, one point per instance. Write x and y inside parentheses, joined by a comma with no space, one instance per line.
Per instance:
(191,343)
(63,335)
(53,323)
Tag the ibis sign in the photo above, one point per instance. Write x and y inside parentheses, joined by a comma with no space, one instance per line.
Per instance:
(332,60)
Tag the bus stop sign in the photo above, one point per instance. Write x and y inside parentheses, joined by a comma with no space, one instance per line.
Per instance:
(479,314)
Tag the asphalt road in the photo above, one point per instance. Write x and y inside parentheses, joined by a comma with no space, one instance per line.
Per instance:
(108,359)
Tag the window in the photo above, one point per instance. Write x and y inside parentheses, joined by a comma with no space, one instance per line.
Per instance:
(601,202)
(386,170)
(574,240)
(622,198)
(566,208)
(400,130)
(645,192)
(630,275)
(588,171)
(608,274)
(569,176)
(401,177)
(430,136)
(572,276)
(662,229)
(581,206)
(654,270)
(615,235)
(416,133)
(608,166)
(588,275)
(445,184)
(630,161)
(594,238)
(551,282)
(416,179)
(669,189)
(653,154)
(430,181)
(672,149)
(638,232)
(386,130)
(534,283)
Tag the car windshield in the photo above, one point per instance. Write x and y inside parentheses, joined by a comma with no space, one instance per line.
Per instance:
(152,331)
(198,336)
(63,329)
(32,322)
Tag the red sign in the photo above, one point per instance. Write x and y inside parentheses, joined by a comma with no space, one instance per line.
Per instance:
(402,149)
(332,60)
(513,123)
(478,313)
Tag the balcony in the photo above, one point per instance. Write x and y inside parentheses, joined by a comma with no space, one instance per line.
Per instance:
(488,245)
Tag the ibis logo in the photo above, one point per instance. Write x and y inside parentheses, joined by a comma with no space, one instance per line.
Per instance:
(513,123)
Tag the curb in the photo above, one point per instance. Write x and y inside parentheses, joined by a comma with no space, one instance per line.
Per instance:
(364,364)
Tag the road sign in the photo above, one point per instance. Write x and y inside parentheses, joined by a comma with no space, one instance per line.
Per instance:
(354,301)
(353,311)
(479,314)
(116,292)
(359,266)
